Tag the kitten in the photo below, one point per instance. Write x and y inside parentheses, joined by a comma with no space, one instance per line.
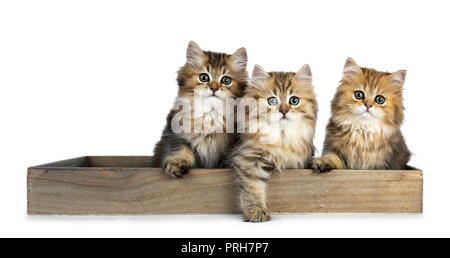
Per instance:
(286,141)
(364,129)
(213,77)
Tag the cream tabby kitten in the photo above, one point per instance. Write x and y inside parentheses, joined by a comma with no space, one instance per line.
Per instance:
(364,129)
(286,142)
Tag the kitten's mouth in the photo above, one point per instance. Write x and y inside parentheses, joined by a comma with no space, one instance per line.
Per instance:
(214,95)
(367,114)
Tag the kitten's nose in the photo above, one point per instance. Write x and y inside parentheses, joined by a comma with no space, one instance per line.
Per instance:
(368,106)
(284,109)
(214,87)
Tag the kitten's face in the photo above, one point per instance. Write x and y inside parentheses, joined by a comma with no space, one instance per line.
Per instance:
(213,75)
(369,97)
(288,97)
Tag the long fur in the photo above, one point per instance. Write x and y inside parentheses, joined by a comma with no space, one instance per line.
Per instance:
(363,134)
(258,155)
(176,153)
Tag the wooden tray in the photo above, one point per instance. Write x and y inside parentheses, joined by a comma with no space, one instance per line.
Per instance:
(121,185)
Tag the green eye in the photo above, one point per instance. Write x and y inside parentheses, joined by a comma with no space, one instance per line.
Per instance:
(380,99)
(359,94)
(294,101)
(203,77)
(226,80)
(272,101)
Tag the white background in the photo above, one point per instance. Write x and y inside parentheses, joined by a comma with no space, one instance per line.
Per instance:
(98,78)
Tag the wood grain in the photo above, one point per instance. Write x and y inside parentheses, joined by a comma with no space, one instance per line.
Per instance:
(126,185)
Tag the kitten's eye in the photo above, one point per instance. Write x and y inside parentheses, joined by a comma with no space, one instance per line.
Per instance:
(380,99)
(226,80)
(272,101)
(204,77)
(359,94)
(294,101)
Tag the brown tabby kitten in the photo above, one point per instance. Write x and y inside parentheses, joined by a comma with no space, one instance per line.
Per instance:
(286,142)
(214,77)
(364,129)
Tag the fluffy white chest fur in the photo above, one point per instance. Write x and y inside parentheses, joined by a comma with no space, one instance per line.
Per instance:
(210,149)
(209,142)
(209,116)
(290,144)
(367,146)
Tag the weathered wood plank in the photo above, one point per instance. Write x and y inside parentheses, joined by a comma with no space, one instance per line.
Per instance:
(55,189)
(75,162)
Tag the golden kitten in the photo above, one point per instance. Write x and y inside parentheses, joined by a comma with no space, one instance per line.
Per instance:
(212,77)
(283,140)
(364,129)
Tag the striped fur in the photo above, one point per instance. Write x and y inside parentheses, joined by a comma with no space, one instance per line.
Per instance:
(176,153)
(290,145)
(357,139)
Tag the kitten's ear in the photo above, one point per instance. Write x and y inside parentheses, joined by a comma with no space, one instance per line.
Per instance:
(398,78)
(259,75)
(351,68)
(304,74)
(194,54)
(239,60)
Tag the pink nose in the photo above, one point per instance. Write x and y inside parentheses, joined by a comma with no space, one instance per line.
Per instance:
(368,106)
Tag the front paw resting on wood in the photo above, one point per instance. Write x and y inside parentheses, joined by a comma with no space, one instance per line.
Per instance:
(179,162)
(322,165)
(326,163)
(176,168)
(256,214)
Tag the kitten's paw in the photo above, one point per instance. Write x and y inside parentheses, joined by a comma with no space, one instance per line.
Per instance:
(256,214)
(322,165)
(176,169)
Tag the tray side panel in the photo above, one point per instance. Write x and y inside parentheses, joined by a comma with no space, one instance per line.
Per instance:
(119,161)
(120,191)
(75,162)
(347,191)
(96,191)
